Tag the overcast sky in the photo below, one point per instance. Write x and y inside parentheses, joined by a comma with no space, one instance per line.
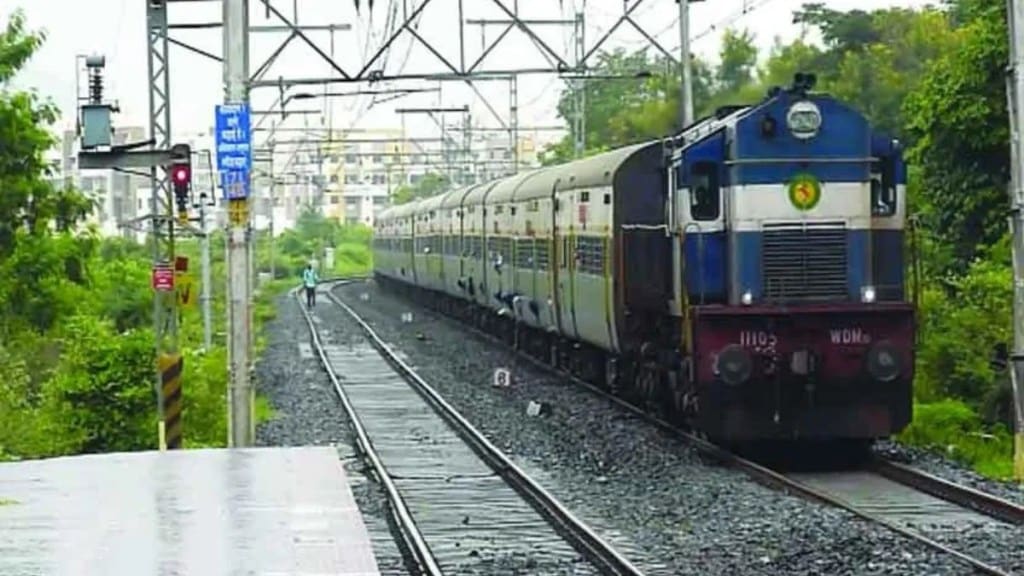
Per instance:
(117,29)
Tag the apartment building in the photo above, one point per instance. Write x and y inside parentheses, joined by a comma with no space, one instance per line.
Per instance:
(361,170)
(351,176)
(114,193)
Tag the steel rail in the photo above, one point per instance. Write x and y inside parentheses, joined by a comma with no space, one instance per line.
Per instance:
(963,496)
(400,512)
(756,471)
(581,536)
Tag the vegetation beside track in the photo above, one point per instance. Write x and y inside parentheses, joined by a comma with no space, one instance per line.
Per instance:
(76,337)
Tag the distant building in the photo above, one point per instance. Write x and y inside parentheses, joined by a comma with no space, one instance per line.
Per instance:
(114,193)
(362,170)
(350,176)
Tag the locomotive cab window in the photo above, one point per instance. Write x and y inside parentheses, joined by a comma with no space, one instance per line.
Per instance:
(705,197)
(883,190)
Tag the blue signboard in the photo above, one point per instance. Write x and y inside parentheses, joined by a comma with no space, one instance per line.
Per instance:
(235,184)
(234,149)
(233,138)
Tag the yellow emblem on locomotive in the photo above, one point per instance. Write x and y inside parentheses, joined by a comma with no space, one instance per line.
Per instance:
(804,191)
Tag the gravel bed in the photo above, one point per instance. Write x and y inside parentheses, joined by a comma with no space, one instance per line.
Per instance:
(948,469)
(307,413)
(646,492)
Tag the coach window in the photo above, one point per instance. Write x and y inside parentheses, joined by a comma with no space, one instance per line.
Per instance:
(705,198)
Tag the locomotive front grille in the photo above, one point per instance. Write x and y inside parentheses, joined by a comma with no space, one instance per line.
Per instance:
(804,261)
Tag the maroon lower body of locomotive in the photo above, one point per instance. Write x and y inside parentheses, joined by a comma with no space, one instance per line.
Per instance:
(809,372)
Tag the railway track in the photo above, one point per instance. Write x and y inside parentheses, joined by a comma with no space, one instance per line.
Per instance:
(964,496)
(902,506)
(455,498)
(884,492)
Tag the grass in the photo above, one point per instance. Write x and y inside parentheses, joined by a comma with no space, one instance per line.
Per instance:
(953,429)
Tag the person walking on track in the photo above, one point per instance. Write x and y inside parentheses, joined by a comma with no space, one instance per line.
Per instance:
(309,280)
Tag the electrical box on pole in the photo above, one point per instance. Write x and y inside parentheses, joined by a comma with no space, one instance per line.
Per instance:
(94,124)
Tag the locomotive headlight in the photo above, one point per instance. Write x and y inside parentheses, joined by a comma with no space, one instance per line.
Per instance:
(883,362)
(747,298)
(803,119)
(867,294)
(734,365)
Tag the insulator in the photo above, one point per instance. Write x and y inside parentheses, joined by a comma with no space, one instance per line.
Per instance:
(96,88)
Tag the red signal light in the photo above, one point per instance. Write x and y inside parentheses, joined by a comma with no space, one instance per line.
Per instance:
(181,175)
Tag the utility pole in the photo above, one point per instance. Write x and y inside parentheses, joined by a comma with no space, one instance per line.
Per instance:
(204,295)
(1015,93)
(513,120)
(686,92)
(580,116)
(236,98)
(273,266)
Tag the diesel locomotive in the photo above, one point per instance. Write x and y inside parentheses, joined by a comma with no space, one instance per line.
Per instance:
(744,276)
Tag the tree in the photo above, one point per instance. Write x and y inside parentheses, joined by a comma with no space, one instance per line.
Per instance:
(873,59)
(29,202)
(958,118)
(37,274)
(738,59)
(842,31)
(430,184)
(785,60)
(640,103)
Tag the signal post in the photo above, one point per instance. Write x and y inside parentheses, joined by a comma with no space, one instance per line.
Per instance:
(99,153)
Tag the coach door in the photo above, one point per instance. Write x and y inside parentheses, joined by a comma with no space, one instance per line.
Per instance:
(565,266)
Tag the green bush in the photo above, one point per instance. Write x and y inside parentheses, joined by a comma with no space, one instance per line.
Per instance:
(104,386)
(204,393)
(954,429)
(962,320)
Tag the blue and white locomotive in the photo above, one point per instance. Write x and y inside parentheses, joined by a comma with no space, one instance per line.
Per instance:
(745,276)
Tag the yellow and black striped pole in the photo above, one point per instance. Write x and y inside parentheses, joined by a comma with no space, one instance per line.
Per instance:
(171,367)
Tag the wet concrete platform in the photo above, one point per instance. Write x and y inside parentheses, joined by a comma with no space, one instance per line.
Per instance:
(260,511)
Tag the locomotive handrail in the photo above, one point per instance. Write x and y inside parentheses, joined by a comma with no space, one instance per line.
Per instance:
(802,160)
(643,227)
(700,255)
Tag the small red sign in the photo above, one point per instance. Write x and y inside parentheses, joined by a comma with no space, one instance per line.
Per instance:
(163,279)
